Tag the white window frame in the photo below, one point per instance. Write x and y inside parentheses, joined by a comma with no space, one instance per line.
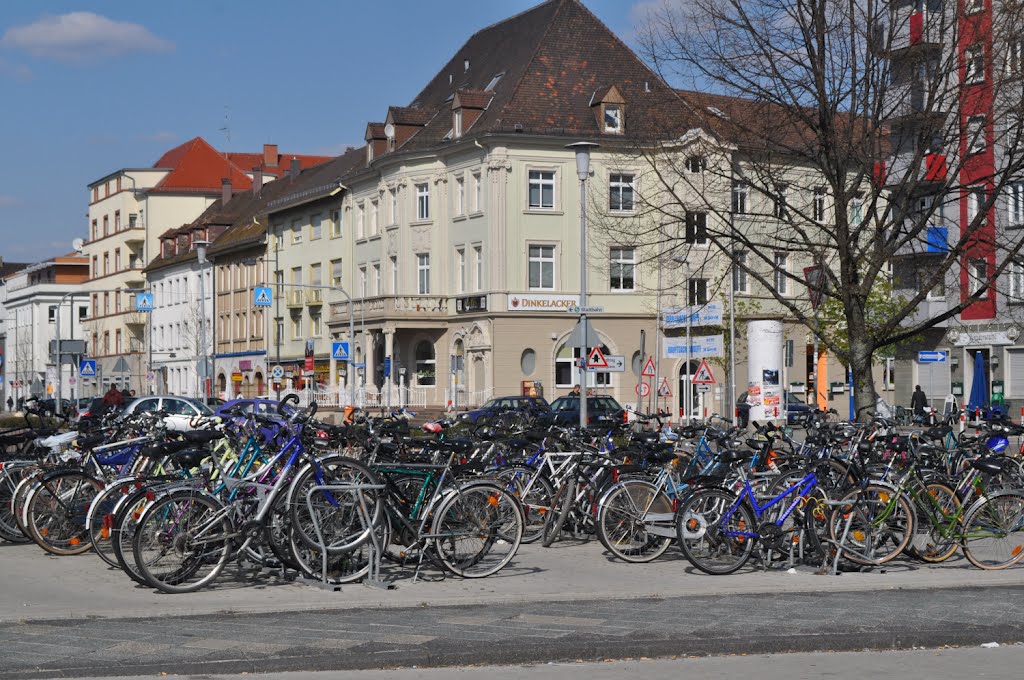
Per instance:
(362,281)
(457,124)
(337,272)
(296,231)
(619,185)
(423,273)
(696,164)
(360,220)
(697,217)
(976,142)
(975,197)
(740,284)
(394,274)
(478,205)
(693,287)
(936,292)
(780,269)
(540,260)
(780,202)
(856,210)
(460,269)
(973,6)
(478,266)
(1015,204)
(541,179)
(296,326)
(316,227)
(423,202)
(621,258)
(974,59)
(374,218)
(1015,56)
(612,118)
(740,197)
(460,196)
(1015,273)
(316,325)
(977,281)
(393,199)
(375,267)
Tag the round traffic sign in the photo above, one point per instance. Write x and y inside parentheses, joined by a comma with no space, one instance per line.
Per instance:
(150,377)
(71,380)
(277,372)
(643,389)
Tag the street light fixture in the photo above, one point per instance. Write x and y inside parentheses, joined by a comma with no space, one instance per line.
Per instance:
(582,150)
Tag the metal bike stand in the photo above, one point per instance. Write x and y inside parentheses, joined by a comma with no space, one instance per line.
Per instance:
(373,573)
(842,541)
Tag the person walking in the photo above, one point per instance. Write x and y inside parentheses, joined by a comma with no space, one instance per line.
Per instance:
(918,401)
(113,398)
(10,403)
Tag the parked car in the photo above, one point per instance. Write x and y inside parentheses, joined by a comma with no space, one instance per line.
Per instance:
(511,403)
(795,409)
(601,410)
(48,407)
(180,410)
(261,405)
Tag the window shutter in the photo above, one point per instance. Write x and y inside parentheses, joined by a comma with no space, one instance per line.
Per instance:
(1015,372)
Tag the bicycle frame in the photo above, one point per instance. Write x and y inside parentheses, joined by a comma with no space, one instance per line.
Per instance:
(803,487)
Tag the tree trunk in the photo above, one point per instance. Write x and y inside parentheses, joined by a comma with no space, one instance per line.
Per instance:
(865,398)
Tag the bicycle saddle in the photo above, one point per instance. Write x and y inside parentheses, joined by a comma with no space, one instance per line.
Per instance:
(202,436)
(990,466)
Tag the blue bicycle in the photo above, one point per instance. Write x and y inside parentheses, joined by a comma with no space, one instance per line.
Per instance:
(718,528)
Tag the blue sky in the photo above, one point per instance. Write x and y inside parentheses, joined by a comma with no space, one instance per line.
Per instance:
(90,87)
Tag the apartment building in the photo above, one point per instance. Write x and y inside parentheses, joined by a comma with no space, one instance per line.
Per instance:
(32,298)
(129,211)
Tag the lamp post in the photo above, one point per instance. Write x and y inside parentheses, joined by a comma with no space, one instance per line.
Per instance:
(582,150)
(58,404)
(204,374)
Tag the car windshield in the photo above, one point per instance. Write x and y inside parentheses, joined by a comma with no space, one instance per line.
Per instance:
(793,399)
(573,404)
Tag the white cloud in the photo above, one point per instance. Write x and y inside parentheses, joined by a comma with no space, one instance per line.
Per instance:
(18,72)
(82,36)
(7,201)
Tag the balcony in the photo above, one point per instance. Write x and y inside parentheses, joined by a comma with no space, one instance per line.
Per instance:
(392,307)
(926,176)
(915,33)
(136,319)
(295,298)
(314,297)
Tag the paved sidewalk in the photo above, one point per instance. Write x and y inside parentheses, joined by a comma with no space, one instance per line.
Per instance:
(587,630)
(39,586)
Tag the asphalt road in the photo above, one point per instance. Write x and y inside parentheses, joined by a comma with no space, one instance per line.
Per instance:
(431,636)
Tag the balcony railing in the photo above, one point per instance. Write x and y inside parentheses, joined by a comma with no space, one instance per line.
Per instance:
(393,306)
(314,297)
(295,298)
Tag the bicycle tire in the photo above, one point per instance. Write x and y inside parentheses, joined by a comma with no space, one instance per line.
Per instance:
(536,499)
(993,533)
(342,567)
(555,518)
(21,492)
(99,519)
(55,511)
(338,516)
(9,530)
(477,529)
(701,534)
(869,533)
(187,524)
(126,517)
(931,543)
(628,513)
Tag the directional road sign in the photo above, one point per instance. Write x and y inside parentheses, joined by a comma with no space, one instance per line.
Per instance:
(144,302)
(277,372)
(616,364)
(931,357)
(339,350)
(262,296)
(87,368)
(590,309)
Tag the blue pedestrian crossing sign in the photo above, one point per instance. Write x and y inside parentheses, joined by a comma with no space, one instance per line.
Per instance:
(144,302)
(339,350)
(87,368)
(262,296)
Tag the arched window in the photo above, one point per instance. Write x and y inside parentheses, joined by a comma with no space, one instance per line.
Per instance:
(425,364)
(528,362)
(567,374)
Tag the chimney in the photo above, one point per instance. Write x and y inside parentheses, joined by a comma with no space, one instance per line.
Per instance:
(225,191)
(257,180)
(293,171)
(270,155)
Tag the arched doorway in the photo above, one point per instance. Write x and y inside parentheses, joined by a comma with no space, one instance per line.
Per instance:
(259,384)
(222,385)
(698,399)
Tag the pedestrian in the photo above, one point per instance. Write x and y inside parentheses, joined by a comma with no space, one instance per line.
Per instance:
(575,391)
(125,394)
(131,393)
(113,397)
(10,404)
(918,401)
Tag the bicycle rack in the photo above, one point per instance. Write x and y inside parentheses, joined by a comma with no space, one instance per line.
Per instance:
(838,545)
(372,577)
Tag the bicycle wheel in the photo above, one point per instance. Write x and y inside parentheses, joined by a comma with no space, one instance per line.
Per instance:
(336,513)
(937,533)
(183,541)
(477,529)
(534,492)
(21,492)
(126,513)
(715,532)
(993,536)
(556,515)
(99,519)
(9,530)
(635,521)
(877,523)
(341,567)
(55,511)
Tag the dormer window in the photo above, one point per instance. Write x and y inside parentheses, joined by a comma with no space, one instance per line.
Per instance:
(369,152)
(612,118)
(457,125)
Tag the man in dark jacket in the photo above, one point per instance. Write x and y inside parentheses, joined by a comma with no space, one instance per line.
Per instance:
(919,401)
(113,398)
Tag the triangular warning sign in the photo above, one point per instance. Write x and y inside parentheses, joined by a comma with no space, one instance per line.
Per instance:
(596,359)
(703,376)
(664,390)
(649,369)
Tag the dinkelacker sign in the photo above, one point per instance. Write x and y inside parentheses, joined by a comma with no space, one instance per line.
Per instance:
(529,302)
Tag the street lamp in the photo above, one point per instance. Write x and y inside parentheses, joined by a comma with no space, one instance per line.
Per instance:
(204,374)
(582,150)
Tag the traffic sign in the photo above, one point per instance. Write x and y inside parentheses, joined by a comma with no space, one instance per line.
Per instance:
(339,350)
(703,388)
(616,364)
(596,359)
(649,368)
(151,377)
(663,389)
(703,375)
(87,368)
(590,309)
(931,357)
(643,389)
(144,302)
(277,372)
(72,380)
(262,296)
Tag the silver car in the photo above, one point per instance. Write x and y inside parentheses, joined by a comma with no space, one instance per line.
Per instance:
(180,410)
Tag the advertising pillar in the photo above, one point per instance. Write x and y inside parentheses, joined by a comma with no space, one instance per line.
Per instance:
(764,373)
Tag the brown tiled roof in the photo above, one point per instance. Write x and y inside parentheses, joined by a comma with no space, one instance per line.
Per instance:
(320,181)
(9,268)
(406,115)
(375,131)
(474,99)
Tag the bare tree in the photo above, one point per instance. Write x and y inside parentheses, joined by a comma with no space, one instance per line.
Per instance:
(850,136)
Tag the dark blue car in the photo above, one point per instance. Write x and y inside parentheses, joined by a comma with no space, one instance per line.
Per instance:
(796,409)
(498,405)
